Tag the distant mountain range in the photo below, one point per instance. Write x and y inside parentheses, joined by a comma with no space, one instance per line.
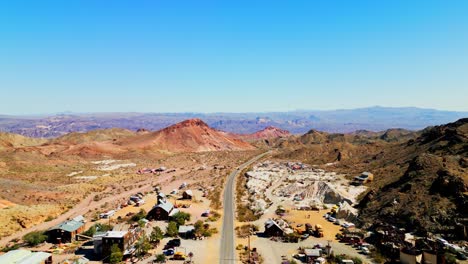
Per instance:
(297,122)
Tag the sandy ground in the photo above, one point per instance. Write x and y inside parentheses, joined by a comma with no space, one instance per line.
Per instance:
(205,251)
(89,204)
(198,205)
(272,251)
(5,204)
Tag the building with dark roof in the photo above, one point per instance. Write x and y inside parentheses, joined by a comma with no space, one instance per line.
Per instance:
(162,211)
(65,232)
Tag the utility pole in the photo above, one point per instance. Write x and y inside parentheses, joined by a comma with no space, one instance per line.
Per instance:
(248,239)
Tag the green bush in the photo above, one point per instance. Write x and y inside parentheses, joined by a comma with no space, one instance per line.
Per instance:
(142,246)
(172,229)
(91,231)
(450,258)
(116,254)
(138,216)
(160,258)
(357,260)
(156,235)
(181,217)
(35,238)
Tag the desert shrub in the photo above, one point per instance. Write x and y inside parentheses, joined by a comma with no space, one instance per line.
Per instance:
(172,229)
(181,217)
(450,258)
(116,254)
(142,246)
(35,238)
(9,248)
(138,216)
(357,260)
(156,235)
(160,258)
(91,231)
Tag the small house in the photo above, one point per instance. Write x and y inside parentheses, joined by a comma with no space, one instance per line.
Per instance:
(65,232)
(410,256)
(162,211)
(273,229)
(277,227)
(187,195)
(186,231)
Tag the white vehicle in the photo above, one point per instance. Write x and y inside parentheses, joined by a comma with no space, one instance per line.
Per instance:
(331,219)
(442,241)
(365,251)
(107,214)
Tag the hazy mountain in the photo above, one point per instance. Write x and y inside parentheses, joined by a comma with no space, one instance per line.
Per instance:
(297,122)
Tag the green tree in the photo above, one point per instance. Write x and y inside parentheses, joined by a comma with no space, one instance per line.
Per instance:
(91,231)
(357,260)
(181,217)
(138,216)
(450,258)
(160,258)
(35,238)
(172,229)
(142,246)
(199,228)
(156,235)
(103,227)
(116,254)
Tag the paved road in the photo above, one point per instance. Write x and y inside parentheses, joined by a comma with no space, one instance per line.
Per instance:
(227,250)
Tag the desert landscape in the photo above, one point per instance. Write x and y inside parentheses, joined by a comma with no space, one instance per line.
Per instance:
(309,185)
(229,132)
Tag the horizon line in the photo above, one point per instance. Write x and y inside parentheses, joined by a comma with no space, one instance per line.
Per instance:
(225,112)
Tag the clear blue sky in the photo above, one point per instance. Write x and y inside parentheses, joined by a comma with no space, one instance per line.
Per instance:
(234,56)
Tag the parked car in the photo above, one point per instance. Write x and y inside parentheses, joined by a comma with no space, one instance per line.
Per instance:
(305,236)
(179,256)
(168,246)
(365,251)
(331,219)
(174,242)
(169,252)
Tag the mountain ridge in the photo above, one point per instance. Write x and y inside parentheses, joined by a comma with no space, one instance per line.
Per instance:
(297,122)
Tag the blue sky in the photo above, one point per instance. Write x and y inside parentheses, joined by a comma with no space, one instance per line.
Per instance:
(231,56)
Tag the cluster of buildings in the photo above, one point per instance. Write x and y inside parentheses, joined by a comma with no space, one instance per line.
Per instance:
(404,247)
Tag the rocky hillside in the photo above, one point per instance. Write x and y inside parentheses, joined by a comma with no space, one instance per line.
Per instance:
(429,190)
(420,177)
(10,141)
(191,135)
(269,132)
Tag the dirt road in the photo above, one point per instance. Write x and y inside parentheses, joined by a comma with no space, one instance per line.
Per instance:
(227,251)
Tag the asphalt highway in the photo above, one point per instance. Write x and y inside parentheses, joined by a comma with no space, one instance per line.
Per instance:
(227,247)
